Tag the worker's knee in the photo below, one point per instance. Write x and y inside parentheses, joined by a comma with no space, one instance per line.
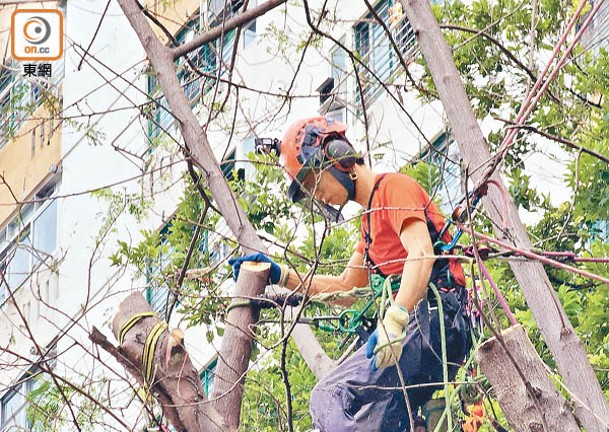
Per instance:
(327,406)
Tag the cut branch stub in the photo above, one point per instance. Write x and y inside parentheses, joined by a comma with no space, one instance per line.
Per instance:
(562,340)
(237,343)
(199,149)
(174,376)
(530,404)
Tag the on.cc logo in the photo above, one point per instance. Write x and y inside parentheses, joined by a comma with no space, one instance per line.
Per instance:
(37,30)
(36,34)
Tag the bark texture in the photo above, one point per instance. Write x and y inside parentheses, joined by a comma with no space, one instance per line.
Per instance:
(161,58)
(530,405)
(229,376)
(570,355)
(176,383)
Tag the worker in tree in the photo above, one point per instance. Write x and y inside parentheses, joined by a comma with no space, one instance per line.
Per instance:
(399,228)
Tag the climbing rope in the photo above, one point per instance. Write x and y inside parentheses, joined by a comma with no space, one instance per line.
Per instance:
(348,321)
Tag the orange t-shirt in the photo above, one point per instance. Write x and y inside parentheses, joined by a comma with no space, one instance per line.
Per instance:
(396,199)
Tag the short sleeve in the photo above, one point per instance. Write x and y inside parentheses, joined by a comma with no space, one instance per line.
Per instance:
(404,199)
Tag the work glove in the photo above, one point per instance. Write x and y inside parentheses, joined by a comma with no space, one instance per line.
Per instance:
(385,343)
(278,273)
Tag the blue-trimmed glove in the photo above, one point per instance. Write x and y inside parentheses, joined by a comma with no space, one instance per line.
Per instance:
(274,275)
(385,343)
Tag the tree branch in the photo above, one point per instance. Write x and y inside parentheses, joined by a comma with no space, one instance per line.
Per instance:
(195,139)
(169,411)
(564,141)
(228,25)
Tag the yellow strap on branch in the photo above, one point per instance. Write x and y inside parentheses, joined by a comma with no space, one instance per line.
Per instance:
(149,347)
(130,323)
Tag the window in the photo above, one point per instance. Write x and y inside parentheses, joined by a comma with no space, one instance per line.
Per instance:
(332,92)
(338,112)
(16,102)
(445,156)
(218,253)
(13,405)
(600,231)
(219,10)
(19,97)
(158,293)
(207,376)
(210,59)
(338,64)
(249,34)
(375,49)
(28,240)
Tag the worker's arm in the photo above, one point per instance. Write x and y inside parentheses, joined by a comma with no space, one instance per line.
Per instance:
(354,275)
(417,268)
(385,344)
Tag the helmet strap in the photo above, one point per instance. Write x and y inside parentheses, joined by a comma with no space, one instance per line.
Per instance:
(347,180)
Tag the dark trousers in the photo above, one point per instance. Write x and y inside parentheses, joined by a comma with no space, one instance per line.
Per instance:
(352,397)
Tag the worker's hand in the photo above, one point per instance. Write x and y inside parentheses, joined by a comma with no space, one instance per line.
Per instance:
(274,275)
(385,344)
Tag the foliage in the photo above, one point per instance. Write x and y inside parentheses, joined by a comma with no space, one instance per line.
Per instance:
(47,410)
(496,83)
(574,108)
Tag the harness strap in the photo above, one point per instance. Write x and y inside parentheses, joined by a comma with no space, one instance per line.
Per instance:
(149,345)
(368,233)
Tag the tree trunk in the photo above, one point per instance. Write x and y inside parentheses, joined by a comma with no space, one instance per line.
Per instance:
(176,382)
(161,58)
(527,405)
(563,342)
(229,376)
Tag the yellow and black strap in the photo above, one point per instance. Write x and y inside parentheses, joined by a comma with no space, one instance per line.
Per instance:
(130,323)
(149,347)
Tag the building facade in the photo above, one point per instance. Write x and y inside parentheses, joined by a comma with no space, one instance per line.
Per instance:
(76,147)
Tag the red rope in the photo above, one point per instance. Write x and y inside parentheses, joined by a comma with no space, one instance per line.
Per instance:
(538,257)
(572,257)
(500,297)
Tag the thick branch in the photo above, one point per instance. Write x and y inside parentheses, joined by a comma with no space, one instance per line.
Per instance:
(228,25)
(175,382)
(161,58)
(174,375)
(562,340)
(521,406)
(169,411)
(237,344)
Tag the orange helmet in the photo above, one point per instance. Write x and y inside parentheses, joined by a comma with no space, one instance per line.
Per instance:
(317,142)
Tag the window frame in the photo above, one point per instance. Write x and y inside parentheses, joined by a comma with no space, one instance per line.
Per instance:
(376,50)
(23,225)
(22,388)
